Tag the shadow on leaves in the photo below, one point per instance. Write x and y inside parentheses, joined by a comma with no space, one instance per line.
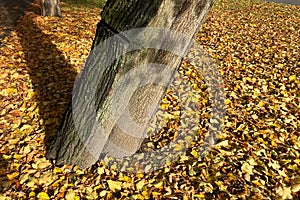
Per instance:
(51,74)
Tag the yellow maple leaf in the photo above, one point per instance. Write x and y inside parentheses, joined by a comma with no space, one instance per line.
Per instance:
(296,188)
(292,78)
(11,91)
(195,154)
(284,192)
(70,195)
(247,168)
(114,185)
(140,185)
(43,196)
(12,175)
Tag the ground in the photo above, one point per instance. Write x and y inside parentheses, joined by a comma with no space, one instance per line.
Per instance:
(255,46)
(10,13)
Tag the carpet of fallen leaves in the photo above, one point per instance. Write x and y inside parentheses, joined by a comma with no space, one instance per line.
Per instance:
(256,47)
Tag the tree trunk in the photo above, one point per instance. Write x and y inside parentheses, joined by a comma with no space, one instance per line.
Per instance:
(79,141)
(50,8)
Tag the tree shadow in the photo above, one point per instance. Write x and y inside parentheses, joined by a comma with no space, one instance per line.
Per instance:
(10,13)
(51,74)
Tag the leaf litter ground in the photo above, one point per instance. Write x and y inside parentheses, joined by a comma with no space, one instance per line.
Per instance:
(255,46)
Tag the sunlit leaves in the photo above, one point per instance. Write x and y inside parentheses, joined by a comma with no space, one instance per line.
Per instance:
(258,49)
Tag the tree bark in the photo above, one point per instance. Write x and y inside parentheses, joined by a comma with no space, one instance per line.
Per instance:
(183,16)
(50,8)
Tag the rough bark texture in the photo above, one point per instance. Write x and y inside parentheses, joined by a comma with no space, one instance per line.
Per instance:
(50,8)
(183,16)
